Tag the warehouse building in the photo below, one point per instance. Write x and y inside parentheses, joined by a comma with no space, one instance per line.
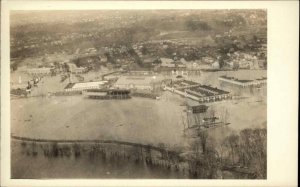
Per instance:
(243,83)
(243,86)
(198,92)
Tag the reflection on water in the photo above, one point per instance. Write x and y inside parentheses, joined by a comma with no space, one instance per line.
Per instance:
(31,160)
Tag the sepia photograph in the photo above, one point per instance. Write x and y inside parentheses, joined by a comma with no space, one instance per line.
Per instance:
(138,94)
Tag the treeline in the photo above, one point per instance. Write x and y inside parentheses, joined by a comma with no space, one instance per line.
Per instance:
(248,150)
(244,155)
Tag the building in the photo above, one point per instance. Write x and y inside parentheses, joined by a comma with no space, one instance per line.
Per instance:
(107,94)
(205,93)
(166,61)
(170,67)
(81,86)
(149,61)
(138,82)
(215,65)
(140,73)
(76,70)
(243,86)
(243,83)
(182,84)
(40,71)
(198,92)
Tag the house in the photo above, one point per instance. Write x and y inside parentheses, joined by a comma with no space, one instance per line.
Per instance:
(76,70)
(216,65)
(166,60)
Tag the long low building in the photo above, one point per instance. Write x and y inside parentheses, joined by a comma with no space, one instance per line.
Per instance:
(198,92)
(243,83)
(138,82)
(244,87)
(40,71)
(81,86)
(107,94)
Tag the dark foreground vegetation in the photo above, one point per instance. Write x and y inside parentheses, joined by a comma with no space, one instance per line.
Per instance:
(240,155)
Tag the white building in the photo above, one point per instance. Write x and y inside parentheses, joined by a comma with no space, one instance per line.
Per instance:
(137,82)
(39,71)
(216,65)
(243,83)
(85,86)
(76,70)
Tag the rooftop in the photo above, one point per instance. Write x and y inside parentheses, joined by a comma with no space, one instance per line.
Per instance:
(184,83)
(137,80)
(235,79)
(242,80)
(85,84)
(203,90)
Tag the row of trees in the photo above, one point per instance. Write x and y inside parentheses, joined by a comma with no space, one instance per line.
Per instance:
(242,154)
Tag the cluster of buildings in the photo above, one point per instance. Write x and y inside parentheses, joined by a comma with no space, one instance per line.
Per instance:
(77,70)
(44,71)
(243,61)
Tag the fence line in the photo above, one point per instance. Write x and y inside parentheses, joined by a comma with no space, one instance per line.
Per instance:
(95,141)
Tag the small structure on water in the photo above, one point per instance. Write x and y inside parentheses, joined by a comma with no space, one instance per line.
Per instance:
(199,118)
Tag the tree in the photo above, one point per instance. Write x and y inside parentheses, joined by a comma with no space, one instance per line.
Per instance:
(197,25)
(232,142)
(144,50)
(203,139)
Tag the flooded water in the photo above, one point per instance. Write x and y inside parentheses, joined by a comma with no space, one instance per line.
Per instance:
(31,163)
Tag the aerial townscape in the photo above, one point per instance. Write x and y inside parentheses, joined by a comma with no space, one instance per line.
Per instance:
(139,94)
